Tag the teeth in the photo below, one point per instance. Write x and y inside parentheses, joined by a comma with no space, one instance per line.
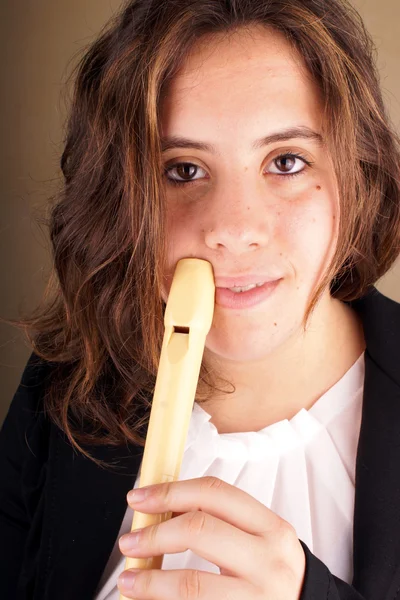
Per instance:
(247,287)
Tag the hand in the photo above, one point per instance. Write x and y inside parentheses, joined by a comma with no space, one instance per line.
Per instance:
(258,553)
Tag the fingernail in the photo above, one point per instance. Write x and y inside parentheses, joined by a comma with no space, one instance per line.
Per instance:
(127,579)
(138,495)
(130,541)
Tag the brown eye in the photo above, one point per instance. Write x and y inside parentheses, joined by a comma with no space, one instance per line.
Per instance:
(285,163)
(186,170)
(183,173)
(288,164)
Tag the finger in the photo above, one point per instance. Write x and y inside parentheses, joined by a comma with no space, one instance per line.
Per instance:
(220,543)
(213,496)
(183,584)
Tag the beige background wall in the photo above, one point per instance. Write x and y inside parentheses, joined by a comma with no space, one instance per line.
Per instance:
(37,42)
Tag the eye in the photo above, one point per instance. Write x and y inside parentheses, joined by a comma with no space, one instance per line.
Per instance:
(184,173)
(289,163)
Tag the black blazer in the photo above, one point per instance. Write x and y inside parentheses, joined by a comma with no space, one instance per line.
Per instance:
(60,514)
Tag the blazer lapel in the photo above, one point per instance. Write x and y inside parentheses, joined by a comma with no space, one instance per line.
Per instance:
(88,504)
(376,556)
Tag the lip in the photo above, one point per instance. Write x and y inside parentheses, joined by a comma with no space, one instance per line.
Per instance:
(227,299)
(229,282)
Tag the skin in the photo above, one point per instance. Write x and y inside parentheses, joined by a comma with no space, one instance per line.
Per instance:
(245,216)
(258,553)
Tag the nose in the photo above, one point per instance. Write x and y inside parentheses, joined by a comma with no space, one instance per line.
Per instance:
(238,219)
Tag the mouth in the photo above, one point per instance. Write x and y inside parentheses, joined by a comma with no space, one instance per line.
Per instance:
(246,288)
(257,278)
(245,297)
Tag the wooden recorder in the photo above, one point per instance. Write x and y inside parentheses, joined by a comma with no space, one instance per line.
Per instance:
(187,320)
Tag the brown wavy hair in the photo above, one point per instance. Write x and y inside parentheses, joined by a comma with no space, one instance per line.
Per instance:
(101,318)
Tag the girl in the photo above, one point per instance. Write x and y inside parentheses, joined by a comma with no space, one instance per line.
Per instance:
(252,134)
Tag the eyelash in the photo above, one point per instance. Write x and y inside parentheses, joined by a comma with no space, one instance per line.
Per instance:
(176,182)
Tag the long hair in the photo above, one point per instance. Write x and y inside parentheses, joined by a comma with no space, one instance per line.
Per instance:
(101,318)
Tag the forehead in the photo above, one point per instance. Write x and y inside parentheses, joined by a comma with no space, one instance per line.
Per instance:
(250,73)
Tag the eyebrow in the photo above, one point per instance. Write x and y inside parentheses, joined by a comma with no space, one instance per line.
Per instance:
(280,136)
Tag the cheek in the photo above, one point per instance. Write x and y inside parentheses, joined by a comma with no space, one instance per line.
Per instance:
(307,228)
(180,231)
(182,240)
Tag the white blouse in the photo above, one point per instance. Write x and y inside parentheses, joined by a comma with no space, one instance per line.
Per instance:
(302,469)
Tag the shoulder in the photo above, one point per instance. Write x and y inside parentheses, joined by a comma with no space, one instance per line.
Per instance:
(35,378)
(25,426)
(378,313)
(24,451)
(380,317)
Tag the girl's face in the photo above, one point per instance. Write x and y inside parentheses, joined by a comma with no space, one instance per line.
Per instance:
(267,208)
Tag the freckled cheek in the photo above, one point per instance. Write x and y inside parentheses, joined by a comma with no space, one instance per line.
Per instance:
(306,231)
(182,237)
(180,226)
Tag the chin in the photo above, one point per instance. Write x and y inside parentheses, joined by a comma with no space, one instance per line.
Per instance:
(242,348)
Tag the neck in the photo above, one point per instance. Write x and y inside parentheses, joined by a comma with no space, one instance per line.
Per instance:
(294,376)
